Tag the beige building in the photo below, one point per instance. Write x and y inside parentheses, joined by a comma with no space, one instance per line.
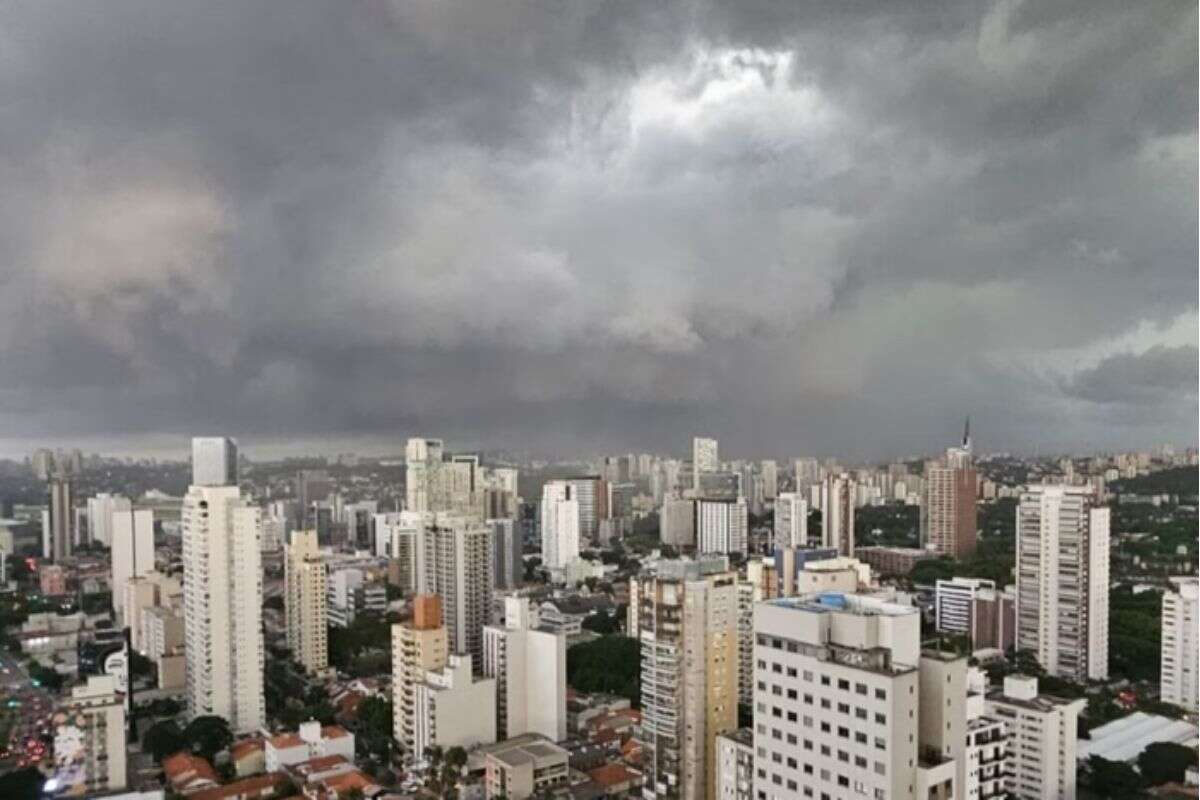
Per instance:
(519,767)
(687,625)
(529,663)
(1181,643)
(417,647)
(305,586)
(453,708)
(1042,733)
(89,739)
(837,494)
(457,566)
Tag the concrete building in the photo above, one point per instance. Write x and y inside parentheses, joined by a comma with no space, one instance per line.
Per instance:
(524,766)
(351,591)
(132,550)
(893,561)
(1042,733)
(305,602)
(975,608)
(529,664)
(791,520)
(89,742)
(418,646)
(704,460)
(591,493)
(837,513)
(1180,644)
(162,633)
(561,524)
(99,514)
(451,708)
(735,765)
(223,597)
(1062,580)
(687,626)
(58,529)
(677,522)
(214,461)
(948,506)
(722,526)
(770,478)
(508,564)
(144,592)
(311,740)
(457,553)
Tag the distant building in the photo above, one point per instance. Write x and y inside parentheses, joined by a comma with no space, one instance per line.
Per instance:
(735,765)
(975,608)
(132,550)
(306,602)
(893,560)
(508,565)
(722,526)
(948,509)
(561,524)
(214,461)
(791,520)
(1180,643)
(837,513)
(52,579)
(523,767)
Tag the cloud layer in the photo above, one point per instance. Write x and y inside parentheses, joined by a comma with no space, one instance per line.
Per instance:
(829,229)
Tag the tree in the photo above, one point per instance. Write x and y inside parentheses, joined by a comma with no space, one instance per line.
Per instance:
(1112,779)
(208,735)
(1165,762)
(162,739)
(22,784)
(608,664)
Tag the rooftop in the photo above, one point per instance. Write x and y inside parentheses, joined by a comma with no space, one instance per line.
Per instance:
(1125,738)
(829,602)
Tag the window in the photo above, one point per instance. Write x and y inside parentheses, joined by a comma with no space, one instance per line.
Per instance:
(808,675)
(843,684)
(791,716)
(776,690)
(791,694)
(880,768)
(843,780)
(881,694)
(825,751)
(777,758)
(762,685)
(808,769)
(791,738)
(860,737)
(880,744)
(808,744)
(844,733)
(860,762)
(825,703)
(824,680)
(777,668)
(791,672)
(843,708)
(861,713)
(860,688)
(808,699)
(825,727)
(843,756)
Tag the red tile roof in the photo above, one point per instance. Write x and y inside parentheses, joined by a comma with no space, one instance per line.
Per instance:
(249,787)
(611,775)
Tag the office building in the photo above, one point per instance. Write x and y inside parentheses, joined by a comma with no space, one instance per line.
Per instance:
(687,626)
(451,708)
(223,595)
(976,609)
(423,482)
(359,519)
(1062,581)
(214,461)
(508,566)
(132,550)
(529,663)
(89,741)
(458,567)
(722,526)
(791,520)
(418,646)
(1042,734)
(561,524)
(1180,644)
(305,602)
(837,513)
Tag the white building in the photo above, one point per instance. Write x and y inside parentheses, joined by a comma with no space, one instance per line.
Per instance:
(1042,733)
(954,600)
(451,708)
(457,557)
(677,522)
(1062,581)
(704,459)
(223,596)
(838,494)
(529,664)
(214,461)
(722,526)
(310,741)
(560,525)
(791,520)
(89,743)
(132,549)
(100,510)
(735,765)
(1180,643)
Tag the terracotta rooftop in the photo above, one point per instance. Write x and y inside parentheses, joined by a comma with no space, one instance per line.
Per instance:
(245,748)
(249,786)
(285,740)
(611,775)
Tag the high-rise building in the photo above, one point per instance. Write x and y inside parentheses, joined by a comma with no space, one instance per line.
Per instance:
(704,459)
(561,524)
(223,595)
(807,471)
(770,479)
(1180,643)
(591,493)
(735,765)
(423,460)
(687,625)
(791,520)
(837,513)
(418,647)
(451,708)
(214,461)
(975,608)
(1062,580)
(305,602)
(1042,732)
(313,487)
(722,526)
(529,664)
(59,530)
(508,566)
(359,519)
(677,522)
(458,567)
(89,742)
(948,507)
(132,550)
(100,510)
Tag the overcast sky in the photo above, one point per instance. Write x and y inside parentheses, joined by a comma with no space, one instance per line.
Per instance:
(804,228)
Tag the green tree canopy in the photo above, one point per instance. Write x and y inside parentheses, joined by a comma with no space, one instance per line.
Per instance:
(1113,780)
(162,739)
(208,735)
(609,664)
(1165,762)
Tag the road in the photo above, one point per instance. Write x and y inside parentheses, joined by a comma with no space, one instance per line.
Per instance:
(25,713)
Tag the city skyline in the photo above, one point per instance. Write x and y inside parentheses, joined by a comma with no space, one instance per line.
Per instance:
(824,232)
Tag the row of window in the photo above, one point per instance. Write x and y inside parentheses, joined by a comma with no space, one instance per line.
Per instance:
(825,680)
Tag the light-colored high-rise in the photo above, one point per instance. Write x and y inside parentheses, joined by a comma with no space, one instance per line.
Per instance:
(132,549)
(704,459)
(687,626)
(100,510)
(418,646)
(837,513)
(305,601)
(214,461)
(89,743)
(529,664)
(452,708)
(722,526)
(458,567)
(423,461)
(770,479)
(1062,581)
(222,587)
(791,520)
(1180,643)
(560,517)
(1042,742)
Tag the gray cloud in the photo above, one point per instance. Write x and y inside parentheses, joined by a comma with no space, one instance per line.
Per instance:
(833,228)
(1159,375)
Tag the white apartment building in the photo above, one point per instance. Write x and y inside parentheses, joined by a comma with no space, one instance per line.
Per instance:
(305,602)
(131,550)
(1180,643)
(311,740)
(704,459)
(954,601)
(837,702)
(529,664)
(418,646)
(1042,741)
(162,632)
(677,522)
(791,520)
(100,511)
(735,765)
(423,459)
(451,708)
(838,494)
(214,461)
(687,626)
(223,595)
(770,479)
(89,743)
(458,567)
(722,526)
(143,592)
(1062,580)
(560,518)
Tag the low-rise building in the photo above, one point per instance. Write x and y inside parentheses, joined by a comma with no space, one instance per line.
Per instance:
(893,560)
(89,739)
(454,709)
(311,740)
(524,765)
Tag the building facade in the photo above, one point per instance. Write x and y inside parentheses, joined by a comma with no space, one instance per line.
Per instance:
(1180,643)
(305,602)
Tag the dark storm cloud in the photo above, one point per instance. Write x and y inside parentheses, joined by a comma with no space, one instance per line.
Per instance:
(1161,374)
(802,227)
